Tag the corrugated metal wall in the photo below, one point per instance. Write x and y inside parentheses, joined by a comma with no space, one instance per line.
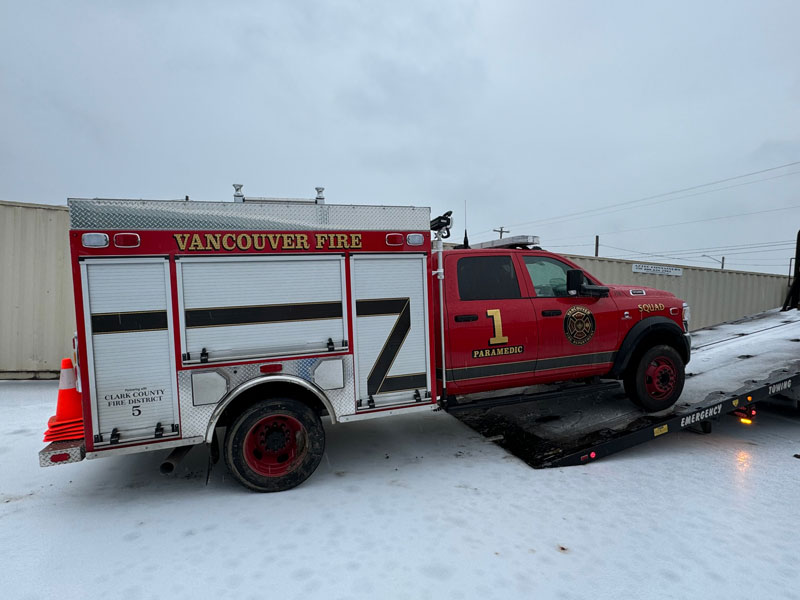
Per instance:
(714,295)
(37,317)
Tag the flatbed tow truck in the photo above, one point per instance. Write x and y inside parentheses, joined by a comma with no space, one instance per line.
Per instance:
(735,366)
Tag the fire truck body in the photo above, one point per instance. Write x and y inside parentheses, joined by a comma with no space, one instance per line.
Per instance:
(263,317)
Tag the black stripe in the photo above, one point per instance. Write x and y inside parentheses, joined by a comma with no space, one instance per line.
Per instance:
(380,306)
(577,360)
(270,313)
(129,321)
(390,350)
(528,366)
(396,383)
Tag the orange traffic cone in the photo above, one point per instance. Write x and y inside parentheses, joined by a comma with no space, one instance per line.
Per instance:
(67,423)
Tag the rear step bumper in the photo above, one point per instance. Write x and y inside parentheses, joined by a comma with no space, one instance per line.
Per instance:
(59,453)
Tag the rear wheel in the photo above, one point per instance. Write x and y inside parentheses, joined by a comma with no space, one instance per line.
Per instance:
(274,445)
(656,381)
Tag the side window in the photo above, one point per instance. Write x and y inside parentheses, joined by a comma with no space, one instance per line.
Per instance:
(487,278)
(548,275)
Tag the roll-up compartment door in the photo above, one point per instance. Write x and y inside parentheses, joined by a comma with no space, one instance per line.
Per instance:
(248,307)
(130,346)
(391,329)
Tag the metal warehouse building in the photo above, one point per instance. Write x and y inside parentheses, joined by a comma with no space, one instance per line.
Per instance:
(37,316)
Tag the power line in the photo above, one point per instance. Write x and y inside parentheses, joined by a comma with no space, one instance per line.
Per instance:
(727,250)
(671,193)
(758,212)
(605,210)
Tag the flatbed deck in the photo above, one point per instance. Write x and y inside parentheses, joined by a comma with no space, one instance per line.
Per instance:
(734,365)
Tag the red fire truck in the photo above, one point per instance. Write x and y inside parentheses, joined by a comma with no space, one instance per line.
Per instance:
(245,323)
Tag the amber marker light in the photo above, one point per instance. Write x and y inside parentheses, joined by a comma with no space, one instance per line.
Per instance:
(746,421)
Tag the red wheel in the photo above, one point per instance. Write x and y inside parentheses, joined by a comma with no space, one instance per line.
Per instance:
(659,377)
(274,445)
(656,381)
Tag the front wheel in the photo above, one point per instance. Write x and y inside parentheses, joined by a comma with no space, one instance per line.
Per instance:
(274,445)
(655,383)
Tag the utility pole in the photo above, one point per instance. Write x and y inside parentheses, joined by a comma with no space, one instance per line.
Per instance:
(597,245)
(501,231)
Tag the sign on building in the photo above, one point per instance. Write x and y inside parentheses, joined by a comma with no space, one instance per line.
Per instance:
(657,270)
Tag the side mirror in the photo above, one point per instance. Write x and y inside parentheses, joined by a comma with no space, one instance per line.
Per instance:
(574,282)
(576,287)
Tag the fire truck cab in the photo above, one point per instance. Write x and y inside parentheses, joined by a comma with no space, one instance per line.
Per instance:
(516,315)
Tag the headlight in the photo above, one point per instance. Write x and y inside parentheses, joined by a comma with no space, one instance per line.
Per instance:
(687,315)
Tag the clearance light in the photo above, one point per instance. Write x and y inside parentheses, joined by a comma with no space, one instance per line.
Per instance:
(94,240)
(271,368)
(749,398)
(126,240)
(592,454)
(394,239)
(747,421)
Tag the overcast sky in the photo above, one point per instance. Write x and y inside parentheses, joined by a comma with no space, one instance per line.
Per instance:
(526,111)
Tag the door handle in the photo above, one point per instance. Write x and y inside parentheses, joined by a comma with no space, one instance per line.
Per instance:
(466,318)
(551,313)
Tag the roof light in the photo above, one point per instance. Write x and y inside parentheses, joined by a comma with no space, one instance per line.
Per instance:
(510,242)
(94,240)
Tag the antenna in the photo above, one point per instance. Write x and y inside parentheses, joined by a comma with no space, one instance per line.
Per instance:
(466,239)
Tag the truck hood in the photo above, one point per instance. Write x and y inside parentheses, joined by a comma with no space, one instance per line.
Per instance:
(637,291)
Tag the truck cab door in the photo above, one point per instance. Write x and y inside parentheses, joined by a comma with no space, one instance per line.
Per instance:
(490,323)
(578,335)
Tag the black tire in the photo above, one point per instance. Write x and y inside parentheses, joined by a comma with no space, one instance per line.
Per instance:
(629,384)
(274,445)
(655,381)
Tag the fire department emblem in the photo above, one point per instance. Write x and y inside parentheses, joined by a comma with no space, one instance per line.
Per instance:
(579,325)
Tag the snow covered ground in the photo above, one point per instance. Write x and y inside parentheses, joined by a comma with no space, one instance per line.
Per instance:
(416,506)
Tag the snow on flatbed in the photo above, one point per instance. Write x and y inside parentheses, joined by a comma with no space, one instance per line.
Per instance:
(415,506)
(742,351)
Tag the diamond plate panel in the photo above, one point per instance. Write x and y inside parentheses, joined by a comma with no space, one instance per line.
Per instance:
(65,452)
(194,419)
(174,214)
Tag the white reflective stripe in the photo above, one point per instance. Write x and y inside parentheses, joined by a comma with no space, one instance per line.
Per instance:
(67,379)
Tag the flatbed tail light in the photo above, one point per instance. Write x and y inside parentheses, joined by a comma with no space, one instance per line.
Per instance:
(746,414)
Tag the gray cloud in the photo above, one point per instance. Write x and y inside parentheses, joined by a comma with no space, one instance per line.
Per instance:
(526,110)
